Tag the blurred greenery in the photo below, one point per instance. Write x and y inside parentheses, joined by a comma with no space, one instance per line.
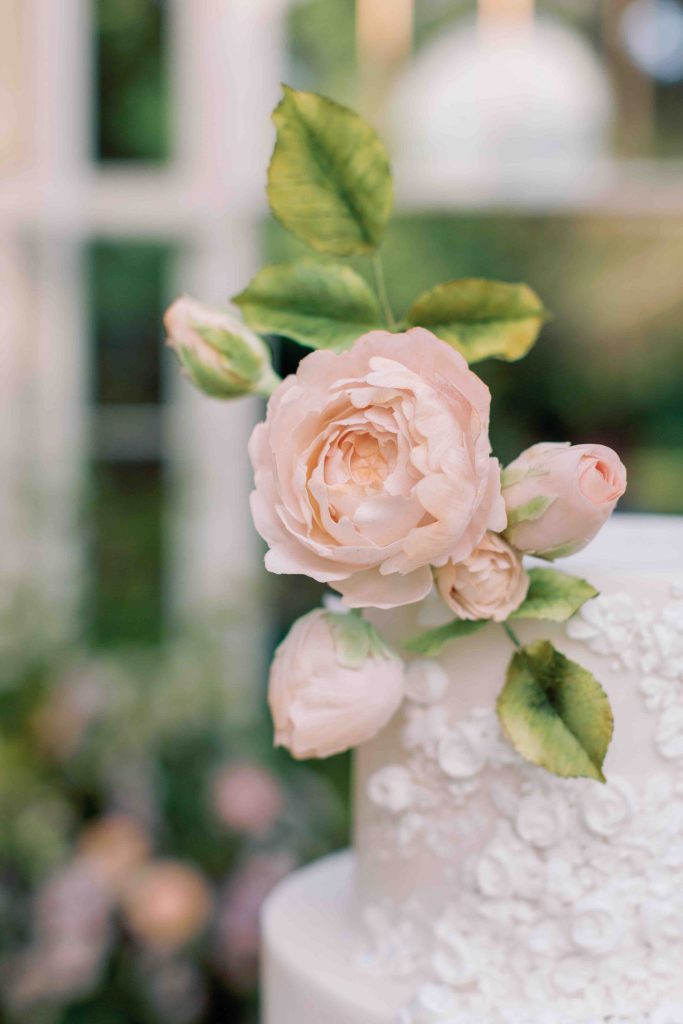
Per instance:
(127,529)
(132,113)
(112,768)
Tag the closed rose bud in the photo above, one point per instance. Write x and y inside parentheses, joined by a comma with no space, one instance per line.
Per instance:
(490,584)
(219,353)
(333,685)
(558,496)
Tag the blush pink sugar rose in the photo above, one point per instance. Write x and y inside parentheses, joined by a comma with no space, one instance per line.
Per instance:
(490,584)
(320,706)
(558,496)
(375,464)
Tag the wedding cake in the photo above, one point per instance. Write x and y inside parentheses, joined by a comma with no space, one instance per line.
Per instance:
(519,727)
(484,889)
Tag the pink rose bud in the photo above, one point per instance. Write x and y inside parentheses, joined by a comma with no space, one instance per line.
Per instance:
(490,584)
(219,353)
(333,685)
(558,496)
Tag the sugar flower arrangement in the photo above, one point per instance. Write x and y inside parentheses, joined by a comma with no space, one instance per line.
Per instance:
(373,468)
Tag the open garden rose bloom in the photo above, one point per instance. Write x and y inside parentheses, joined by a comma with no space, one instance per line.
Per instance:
(322,706)
(558,496)
(489,584)
(374,464)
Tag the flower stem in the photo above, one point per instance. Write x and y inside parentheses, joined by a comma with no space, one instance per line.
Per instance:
(511,633)
(381,289)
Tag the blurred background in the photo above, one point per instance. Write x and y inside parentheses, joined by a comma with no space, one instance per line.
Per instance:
(144,815)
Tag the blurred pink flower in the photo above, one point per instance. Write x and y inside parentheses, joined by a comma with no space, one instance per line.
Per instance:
(166,904)
(238,926)
(112,846)
(72,931)
(56,972)
(62,719)
(247,798)
(74,903)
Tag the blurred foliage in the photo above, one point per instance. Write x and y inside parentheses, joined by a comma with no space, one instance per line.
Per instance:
(131,80)
(127,529)
(145,817)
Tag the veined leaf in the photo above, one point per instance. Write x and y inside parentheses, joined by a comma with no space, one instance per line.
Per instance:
(430,643)
(555,713)
(553,595)
(481,319)
(329,180)
(322,305)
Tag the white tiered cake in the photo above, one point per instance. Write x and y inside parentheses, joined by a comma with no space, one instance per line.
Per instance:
(484,890)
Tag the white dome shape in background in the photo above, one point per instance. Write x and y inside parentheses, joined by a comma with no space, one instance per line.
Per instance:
(516,111)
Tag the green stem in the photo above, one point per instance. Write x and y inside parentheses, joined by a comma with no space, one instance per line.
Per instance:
(381,288)
(511,633)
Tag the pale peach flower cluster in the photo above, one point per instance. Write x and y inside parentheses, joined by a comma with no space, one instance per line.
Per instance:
(374,474)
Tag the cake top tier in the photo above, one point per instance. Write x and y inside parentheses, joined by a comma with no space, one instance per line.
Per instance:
(634,544)
(500,883)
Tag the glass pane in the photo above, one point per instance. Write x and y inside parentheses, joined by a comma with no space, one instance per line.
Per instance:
(132,116)
(127,293)
(126,515)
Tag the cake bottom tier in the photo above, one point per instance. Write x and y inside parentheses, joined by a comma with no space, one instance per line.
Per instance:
(310,953)
(312,973)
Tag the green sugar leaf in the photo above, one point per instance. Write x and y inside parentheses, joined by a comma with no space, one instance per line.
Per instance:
(321,305)
(555,713)
(481,319)
(554,595)
(329,180)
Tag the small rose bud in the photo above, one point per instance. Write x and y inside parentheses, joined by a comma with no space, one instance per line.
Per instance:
(558,496)
(490,584)
(333,685)
(220,354)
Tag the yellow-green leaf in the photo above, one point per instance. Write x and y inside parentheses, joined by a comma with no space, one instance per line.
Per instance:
(553,595)
(481,319)
(322,305)
(555,713)
(430,643)
(329,180)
